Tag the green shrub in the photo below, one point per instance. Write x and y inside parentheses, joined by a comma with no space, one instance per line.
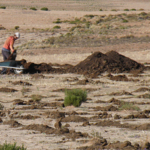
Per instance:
(6,146)
(90,16)
(128,106)
(57,21)
(56,27)
(2,7)
(124,21)
(16,27)
(1,106)
(143,13)
(100,9)
(114,10)
(88,24)
(75,97)
(126,9)
(76,21)
(44,9)
(133,9)
(33,8)
(36,98)
(50,40)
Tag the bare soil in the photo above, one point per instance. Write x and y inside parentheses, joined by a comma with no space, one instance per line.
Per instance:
(106,53)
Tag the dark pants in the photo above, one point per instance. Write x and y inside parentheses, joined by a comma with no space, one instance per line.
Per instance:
(5,56)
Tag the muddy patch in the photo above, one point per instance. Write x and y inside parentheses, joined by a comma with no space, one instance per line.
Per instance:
(37,76)
(12,123)
(49,130)
(144,96)
(24,117)
(139,115)
(145,126)
(19,102)
(107,108)
(120,78)
(101,143)
(142,89)
(102,115)
(55,114)
(7,90)
(74,118)
(120,93)
(21,83)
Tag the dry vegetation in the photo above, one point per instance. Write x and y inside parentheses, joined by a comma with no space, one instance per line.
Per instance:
(116,112)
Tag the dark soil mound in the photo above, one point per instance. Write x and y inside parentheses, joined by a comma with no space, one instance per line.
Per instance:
(7,90)
(104,144)
(12,123)
(143,89)
(100,115)
(21,83)
(39,127)
(107,108)
(92,66)
(36,68)
(19,102)
(138,115)
(49,130)
(145,126)
(112,61)
(74,119)
(118,78)
(55,114)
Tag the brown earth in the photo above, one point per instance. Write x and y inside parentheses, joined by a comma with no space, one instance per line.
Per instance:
(92,66)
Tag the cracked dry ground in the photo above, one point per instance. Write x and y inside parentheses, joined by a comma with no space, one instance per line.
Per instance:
(34,115)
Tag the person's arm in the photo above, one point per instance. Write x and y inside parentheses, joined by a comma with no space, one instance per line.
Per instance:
(12,46)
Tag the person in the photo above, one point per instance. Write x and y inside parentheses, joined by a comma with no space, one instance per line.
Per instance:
(8,48)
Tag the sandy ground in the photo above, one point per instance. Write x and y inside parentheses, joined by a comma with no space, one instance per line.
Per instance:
(16,15)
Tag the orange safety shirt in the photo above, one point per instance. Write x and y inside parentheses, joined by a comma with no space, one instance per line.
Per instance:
(8,42)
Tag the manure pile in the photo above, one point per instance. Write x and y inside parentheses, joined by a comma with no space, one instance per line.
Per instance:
(111,62)
(92,66)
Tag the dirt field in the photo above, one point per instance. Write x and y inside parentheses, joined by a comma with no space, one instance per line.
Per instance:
(100,46)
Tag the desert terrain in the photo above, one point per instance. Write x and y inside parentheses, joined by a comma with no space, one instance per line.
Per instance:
(100,46)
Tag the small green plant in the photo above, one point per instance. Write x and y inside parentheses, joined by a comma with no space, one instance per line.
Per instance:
(114,10)
(126,9)
(2,7)
(76,21)
(75,97)
(56,27)
(7,146)
(24,8)
(16,27)
(124,21)
(88,24)
(96,134)
(143,13)
(128,106)
(90,16)
(100,9)
(36,98)
(44,9)
(33,8)
(133,9)
(1,106)
(57,21)
(24,90)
